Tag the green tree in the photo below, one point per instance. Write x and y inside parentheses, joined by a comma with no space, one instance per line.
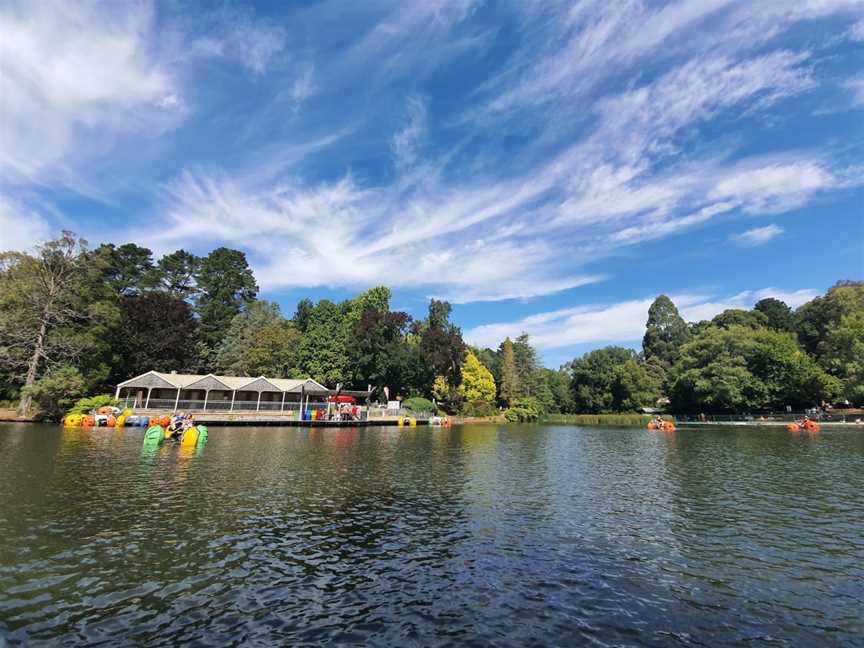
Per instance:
(510,388)
(665,332)
(323,352)
(541,381)
(409,369)
(636,385)
(157,332)
(375,350)
(737,317)
(56,392)
(260,342)
(441,344)
(841,348)
(777,312)
(128,268)
(740,368)
(559,384)
(175,274)
(813,319)
(362,341)
(526,366)
(612,379)
(524,410)
(376,299)
(303,314)
(226,285)
(55,310)
(477,383)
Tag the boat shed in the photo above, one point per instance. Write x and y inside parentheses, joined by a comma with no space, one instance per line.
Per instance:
(192,392)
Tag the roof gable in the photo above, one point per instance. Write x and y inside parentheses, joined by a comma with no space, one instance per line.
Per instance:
(260,384)
(314,386)
(208,382)
(156,379)
(149,380)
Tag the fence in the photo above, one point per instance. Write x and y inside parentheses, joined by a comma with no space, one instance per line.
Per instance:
(776,417)
(186,405)
(217,405)
(382,413)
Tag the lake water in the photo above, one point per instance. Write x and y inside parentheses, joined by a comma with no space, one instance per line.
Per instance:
(479,535)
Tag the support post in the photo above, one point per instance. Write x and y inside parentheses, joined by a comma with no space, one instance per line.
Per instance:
(282,407)
(206,397)
(147,403)
(233,394)
(177,400)
(117,394)
(258,406)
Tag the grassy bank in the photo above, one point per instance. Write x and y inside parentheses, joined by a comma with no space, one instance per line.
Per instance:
(628,420)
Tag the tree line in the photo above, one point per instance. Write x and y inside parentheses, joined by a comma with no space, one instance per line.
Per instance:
(76,321)
(766,358)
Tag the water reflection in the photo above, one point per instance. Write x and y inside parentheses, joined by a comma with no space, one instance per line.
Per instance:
(509,535)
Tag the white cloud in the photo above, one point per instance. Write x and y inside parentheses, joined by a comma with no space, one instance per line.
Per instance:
(707,308)
(20,228)
(856,89)
(409,37)
(758,235)
(234,35)
(405,144)
(623,322)
(342,234)
(76,75)
(588,43)
(774,188)
(640,113)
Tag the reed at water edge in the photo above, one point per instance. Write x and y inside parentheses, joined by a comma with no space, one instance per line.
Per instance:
(624,420)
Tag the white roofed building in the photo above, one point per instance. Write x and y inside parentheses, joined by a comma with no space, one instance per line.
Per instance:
(195,392)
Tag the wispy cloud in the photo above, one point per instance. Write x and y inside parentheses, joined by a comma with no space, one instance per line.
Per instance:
(405,143)
(21,228)
(75,76)
(409,37)
(235,35)
(856,89)
(343,234)
(758,235)
(437,146)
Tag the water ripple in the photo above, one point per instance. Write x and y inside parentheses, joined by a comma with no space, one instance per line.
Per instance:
(511,536)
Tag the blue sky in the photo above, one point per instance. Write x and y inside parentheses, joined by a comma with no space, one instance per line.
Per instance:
(548,167)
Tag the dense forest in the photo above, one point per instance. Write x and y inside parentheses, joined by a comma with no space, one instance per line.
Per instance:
(75,321)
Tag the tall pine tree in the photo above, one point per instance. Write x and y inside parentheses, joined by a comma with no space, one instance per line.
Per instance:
(226,284)
(510,387)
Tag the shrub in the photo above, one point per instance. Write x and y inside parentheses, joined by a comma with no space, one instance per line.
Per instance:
(479,408)
(90,403)
(619,420)
(418,404)
(55,392)
(524,410)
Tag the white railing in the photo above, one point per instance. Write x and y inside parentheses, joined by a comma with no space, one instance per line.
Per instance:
(183,405)
(381,413)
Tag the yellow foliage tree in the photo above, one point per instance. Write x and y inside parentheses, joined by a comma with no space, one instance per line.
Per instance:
(477,381)
(441,389)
